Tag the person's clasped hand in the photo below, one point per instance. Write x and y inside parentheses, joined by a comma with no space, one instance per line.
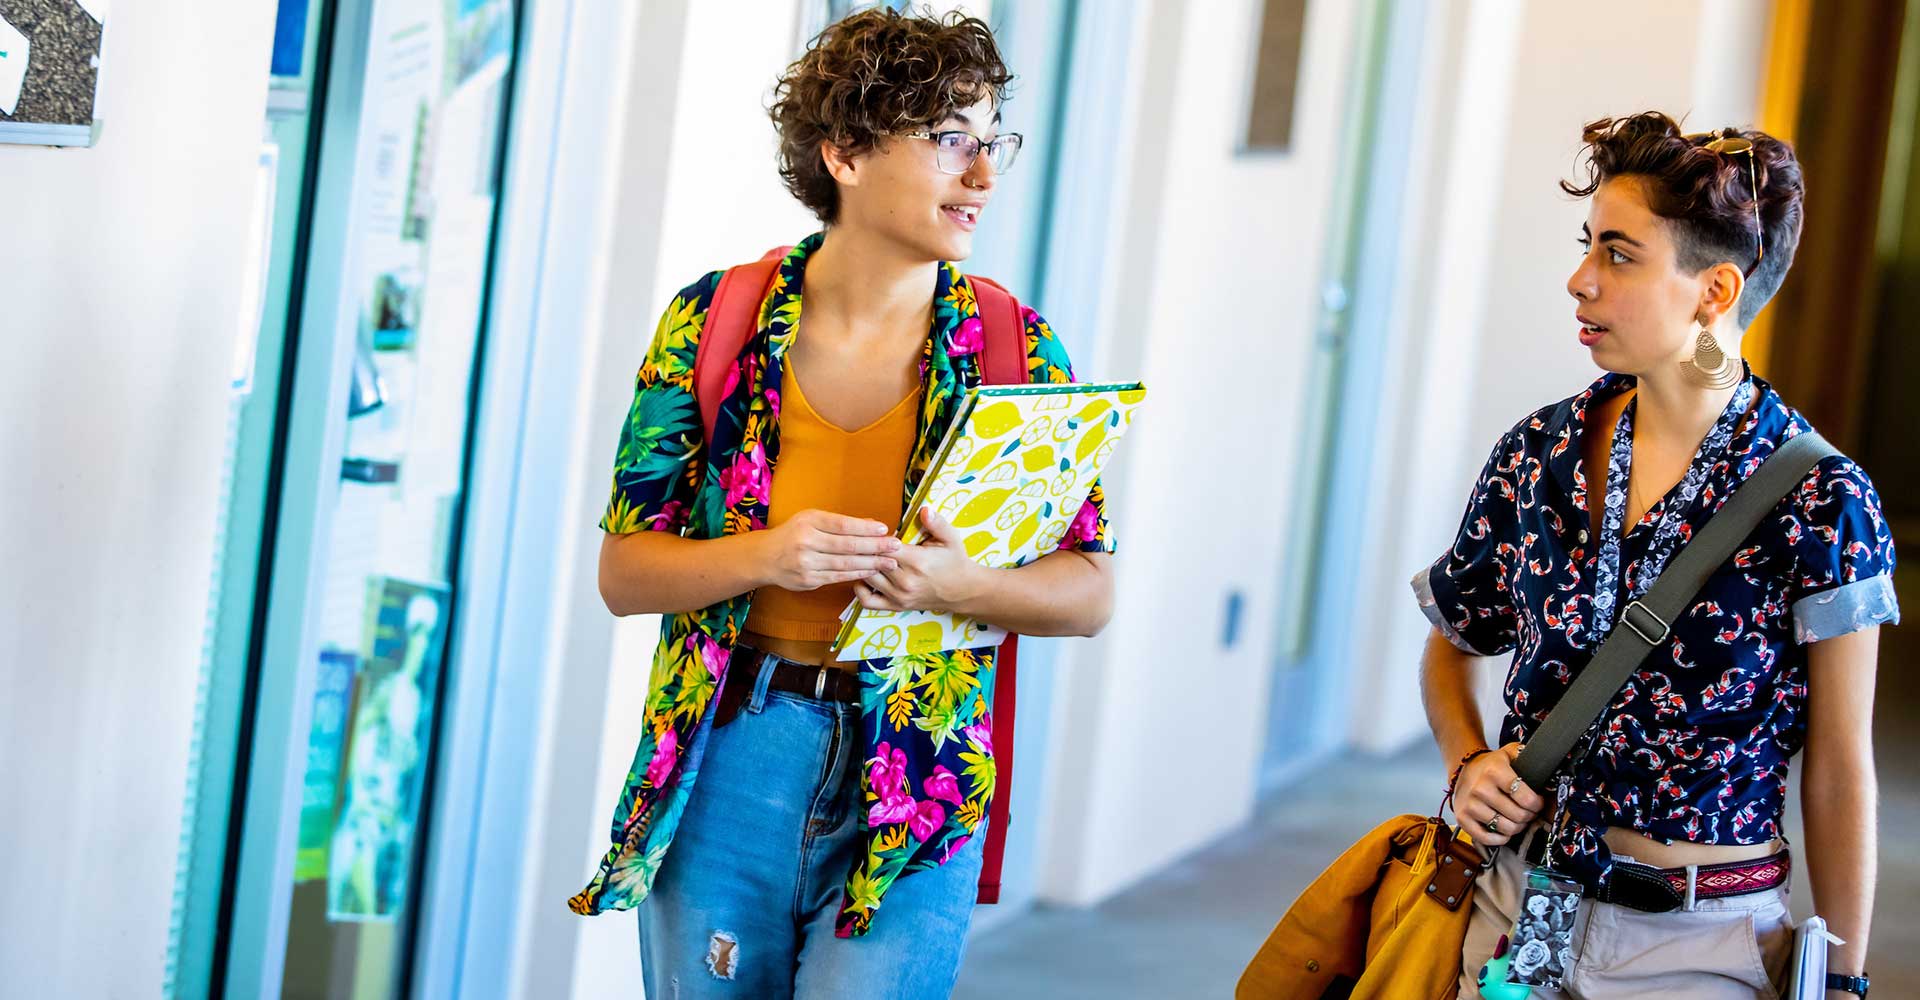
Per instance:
(934,575)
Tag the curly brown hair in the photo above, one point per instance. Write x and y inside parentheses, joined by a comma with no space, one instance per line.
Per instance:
(872,73)
(1707,197)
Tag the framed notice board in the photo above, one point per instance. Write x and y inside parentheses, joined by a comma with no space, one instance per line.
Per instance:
(50,70)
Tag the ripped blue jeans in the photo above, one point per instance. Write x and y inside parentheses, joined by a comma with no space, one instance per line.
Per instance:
(744,903)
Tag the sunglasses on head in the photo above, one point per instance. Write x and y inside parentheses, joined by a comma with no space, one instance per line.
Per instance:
(1728,143)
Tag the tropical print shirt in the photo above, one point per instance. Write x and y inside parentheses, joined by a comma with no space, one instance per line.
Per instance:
(1695,746)
(929,772)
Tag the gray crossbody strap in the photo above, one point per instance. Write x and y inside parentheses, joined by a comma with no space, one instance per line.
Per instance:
(1645,623)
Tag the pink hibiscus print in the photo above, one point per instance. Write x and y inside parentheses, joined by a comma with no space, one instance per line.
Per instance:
(926,820)
(896,808)
(747,476)
(981,734)
(742,371)
(887,769)
(1085,526)
(943,785)
(665,754)
(672,517)
(710,653)
(968,339)
(887,776)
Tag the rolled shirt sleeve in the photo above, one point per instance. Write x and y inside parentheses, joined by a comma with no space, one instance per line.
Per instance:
(1843,547)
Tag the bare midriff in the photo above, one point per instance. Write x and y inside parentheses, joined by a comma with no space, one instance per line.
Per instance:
(1681,853)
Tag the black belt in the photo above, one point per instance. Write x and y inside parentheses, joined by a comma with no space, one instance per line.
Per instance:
(804,679)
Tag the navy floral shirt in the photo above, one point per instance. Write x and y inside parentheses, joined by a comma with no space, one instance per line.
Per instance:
(1696,745)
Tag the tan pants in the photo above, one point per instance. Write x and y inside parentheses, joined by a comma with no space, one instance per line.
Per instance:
(1733,947)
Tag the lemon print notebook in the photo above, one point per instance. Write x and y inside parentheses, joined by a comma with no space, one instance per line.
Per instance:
(1011,475)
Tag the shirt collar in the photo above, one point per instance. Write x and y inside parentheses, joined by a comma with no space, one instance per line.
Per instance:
(1565,426)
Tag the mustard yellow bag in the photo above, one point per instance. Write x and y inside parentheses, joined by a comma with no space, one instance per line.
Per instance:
(1385,921)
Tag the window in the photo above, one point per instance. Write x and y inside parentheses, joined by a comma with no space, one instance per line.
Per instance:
(1276,73)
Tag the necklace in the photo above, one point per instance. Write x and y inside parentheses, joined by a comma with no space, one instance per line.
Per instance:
(1608,587)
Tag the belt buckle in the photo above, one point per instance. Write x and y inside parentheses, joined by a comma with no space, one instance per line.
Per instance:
(820,684)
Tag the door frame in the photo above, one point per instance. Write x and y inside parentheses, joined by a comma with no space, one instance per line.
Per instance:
(570,63)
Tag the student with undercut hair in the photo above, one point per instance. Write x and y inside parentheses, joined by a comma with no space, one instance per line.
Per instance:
(794,825)
(1672,821)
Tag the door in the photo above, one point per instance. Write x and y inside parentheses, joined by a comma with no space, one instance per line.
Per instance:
(350,663)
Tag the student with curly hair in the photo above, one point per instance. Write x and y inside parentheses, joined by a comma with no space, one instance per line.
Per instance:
(1674,805)
(826,789)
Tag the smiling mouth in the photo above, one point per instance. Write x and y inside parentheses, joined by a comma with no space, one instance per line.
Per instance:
(966,215)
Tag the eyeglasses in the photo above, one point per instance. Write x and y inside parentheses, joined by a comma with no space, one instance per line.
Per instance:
(1728,144)
(956,151)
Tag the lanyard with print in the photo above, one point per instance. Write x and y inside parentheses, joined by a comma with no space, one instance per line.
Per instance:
(1666,535)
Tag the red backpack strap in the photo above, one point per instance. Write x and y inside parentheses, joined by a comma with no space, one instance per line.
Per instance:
(1004,359)
(728,327)
(1004,687)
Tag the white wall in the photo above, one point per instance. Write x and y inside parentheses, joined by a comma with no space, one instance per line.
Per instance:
(1569,73)
(1218,264)
(119,292)
(1448,262)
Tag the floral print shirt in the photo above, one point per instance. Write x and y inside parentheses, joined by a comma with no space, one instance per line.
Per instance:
(1695,746)
(927,719)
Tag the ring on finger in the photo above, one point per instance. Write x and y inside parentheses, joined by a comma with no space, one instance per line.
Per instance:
(1493,824)
(1513,789)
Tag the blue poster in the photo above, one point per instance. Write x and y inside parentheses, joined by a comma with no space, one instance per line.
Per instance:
(290,38)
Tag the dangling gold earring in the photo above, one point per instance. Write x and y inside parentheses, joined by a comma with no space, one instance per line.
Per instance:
(1711,367)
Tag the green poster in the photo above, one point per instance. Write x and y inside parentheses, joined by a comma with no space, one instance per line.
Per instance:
(332,696)
(370,862)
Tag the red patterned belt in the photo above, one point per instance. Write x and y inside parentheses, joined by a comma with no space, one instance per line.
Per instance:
(1736,878)
(1658,890)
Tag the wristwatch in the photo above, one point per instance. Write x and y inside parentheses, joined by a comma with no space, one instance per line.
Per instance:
(1857,985)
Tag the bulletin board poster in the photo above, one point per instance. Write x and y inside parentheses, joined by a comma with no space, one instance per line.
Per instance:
(320,790)
(50,70)
(370,856)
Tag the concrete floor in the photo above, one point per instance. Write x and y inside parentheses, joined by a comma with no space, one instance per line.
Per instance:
(1189,930)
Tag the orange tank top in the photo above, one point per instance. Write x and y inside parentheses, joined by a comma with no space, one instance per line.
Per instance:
(822,467)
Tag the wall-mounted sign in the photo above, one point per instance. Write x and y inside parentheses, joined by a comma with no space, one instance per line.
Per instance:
(50,70)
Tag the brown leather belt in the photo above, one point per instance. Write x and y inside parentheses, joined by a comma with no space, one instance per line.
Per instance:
(804,679)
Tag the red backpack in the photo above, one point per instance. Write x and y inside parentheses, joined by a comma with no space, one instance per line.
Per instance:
(730,324)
